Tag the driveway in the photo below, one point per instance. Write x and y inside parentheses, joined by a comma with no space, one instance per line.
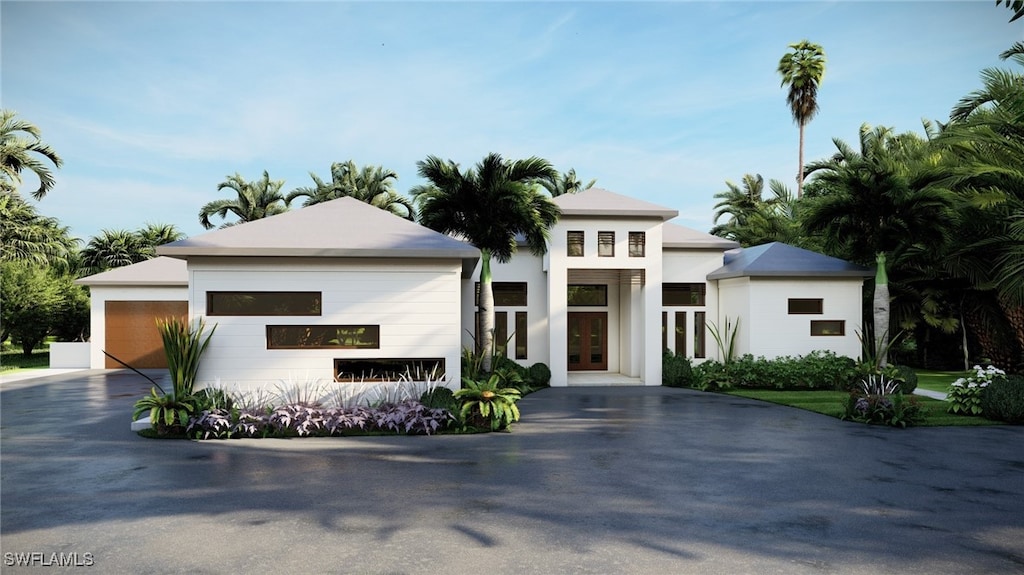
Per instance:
(593,480)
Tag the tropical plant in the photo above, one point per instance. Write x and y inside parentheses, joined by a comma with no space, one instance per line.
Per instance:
(490,205)
(373,185)
(964,395)
(802,70)
(754,220)
(184,346)
(254,200)
(1016,6)
(566,183)
(28,236)
(893,409)
(21,148)
(485,404)
(168,412)
(725,339)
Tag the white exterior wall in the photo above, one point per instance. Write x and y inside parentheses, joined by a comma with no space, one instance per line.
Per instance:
(733,304)
(415,303)
(524,267)
(100,295)
(766,327)
(693,266)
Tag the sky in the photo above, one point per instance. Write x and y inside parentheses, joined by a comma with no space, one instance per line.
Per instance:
(152,104)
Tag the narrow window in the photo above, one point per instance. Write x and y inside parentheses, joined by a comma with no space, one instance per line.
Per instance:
(590,295)
(680,333)
(254,303)
(606,244)
(389,369)
(522,329)
(828,327)
(698,334)
(636,244)
(500,331)
(506,293)
(805,306)
(323,337)
(683,294)
(575,244)
(664,331)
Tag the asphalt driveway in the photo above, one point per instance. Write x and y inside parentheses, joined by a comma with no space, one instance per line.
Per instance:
(593,480)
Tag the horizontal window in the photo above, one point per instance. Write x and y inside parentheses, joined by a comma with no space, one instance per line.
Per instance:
(828,327)
(323,336)
(683,294)
(805,306)
(587,295)
(389,369)
(574,241)
(263,303)
(506,293)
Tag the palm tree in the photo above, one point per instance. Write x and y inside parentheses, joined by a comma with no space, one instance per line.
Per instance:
(20,144)
(880,200)
(154,235)
(255,200)
(566,183)
(28,236)
(754,220)
(371,184)
(489,205)
(802,70)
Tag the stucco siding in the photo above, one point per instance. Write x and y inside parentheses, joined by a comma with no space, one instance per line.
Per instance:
(415,305)
(777,333)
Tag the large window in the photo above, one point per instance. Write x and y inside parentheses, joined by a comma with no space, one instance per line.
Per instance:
(506,293)
(828,327)
(388,369)
(574,241)
(606,244)
(699,340)
(323,336)
(501,333)
(590,295)
(637,241)
(263,303)
(805,306)
(683,294)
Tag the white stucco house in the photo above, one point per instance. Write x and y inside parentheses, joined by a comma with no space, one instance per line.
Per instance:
(344,291)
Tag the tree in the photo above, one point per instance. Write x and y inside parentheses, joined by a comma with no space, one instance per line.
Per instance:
(1016,6)
(884,198)
(156,234)
(21,148)
(373,185)
(28,236)
(118,248)
(566,183)
(489,205)
(802,70)
(254,200)
(754,220)
(30,298)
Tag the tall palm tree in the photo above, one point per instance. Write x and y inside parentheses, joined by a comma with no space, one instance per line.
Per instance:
(155,234)
(566,183)
(879,200)
(114,249)
(28,236)
(489,205)
(802,70)
(373,185)
(20,149)
(254,200)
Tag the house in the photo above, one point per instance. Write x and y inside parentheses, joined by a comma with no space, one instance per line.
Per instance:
(347,292)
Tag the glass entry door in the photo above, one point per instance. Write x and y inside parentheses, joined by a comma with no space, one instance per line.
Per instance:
(588,341)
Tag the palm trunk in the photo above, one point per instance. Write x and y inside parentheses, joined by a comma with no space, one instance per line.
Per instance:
(881,312)
(800,167)
(486,310)
(1015,316)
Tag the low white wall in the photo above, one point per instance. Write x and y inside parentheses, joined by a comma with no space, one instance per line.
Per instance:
(68,355)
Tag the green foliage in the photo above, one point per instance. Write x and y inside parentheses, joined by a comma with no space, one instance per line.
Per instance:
(21,149)
(1003,399)
(726,339)
(907,378)
(895,410)
(676,370)
(169,413)
(486,405)
(964,395)
(71,316)
(440,397)
(31,299)
(253,200)
(26,235)
(539,375)
(711,375)
(816,370)
(184,346)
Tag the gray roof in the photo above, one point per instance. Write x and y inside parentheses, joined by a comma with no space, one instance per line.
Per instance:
(159,271)
(676,236)
(783,260)
(345,227)
(600,202)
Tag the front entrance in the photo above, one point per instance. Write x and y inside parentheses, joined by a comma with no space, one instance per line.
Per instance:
(588,341)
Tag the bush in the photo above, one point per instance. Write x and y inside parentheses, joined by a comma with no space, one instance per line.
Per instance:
(1003,399)
(676,370)
(710,375)
(539,375)
(964,394)
(895,410)
(907,378)
(440,398)
(816,370)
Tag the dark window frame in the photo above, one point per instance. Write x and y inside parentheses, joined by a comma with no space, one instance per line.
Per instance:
(575,239)
(637,244)
(371,328)
(522,350)
(212,305)
(606,239)
(603,290)
(815,306)
(677,288)
(820,323)
(525,293)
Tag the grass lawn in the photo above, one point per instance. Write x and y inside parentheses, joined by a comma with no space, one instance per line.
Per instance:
(13,361)
(833,403)
(937,380)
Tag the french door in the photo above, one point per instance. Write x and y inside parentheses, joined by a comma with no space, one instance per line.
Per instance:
(588,341)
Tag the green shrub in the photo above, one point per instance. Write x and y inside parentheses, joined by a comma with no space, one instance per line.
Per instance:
(964,395)
(1003,399)
(676,370)
(711,375)
(538,375)
(894,410)
(907,378)
(486,405)
(440,398)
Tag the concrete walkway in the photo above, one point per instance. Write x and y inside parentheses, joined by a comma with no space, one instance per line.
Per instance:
(593,480)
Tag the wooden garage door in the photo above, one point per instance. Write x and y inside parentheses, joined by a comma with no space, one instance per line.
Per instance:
(131,332)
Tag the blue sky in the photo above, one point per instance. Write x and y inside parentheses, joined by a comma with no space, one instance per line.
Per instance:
(151,105)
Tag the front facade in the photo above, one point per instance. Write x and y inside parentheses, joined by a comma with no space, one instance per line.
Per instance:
(343,291)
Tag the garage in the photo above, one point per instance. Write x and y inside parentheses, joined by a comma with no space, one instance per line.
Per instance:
(132,335)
